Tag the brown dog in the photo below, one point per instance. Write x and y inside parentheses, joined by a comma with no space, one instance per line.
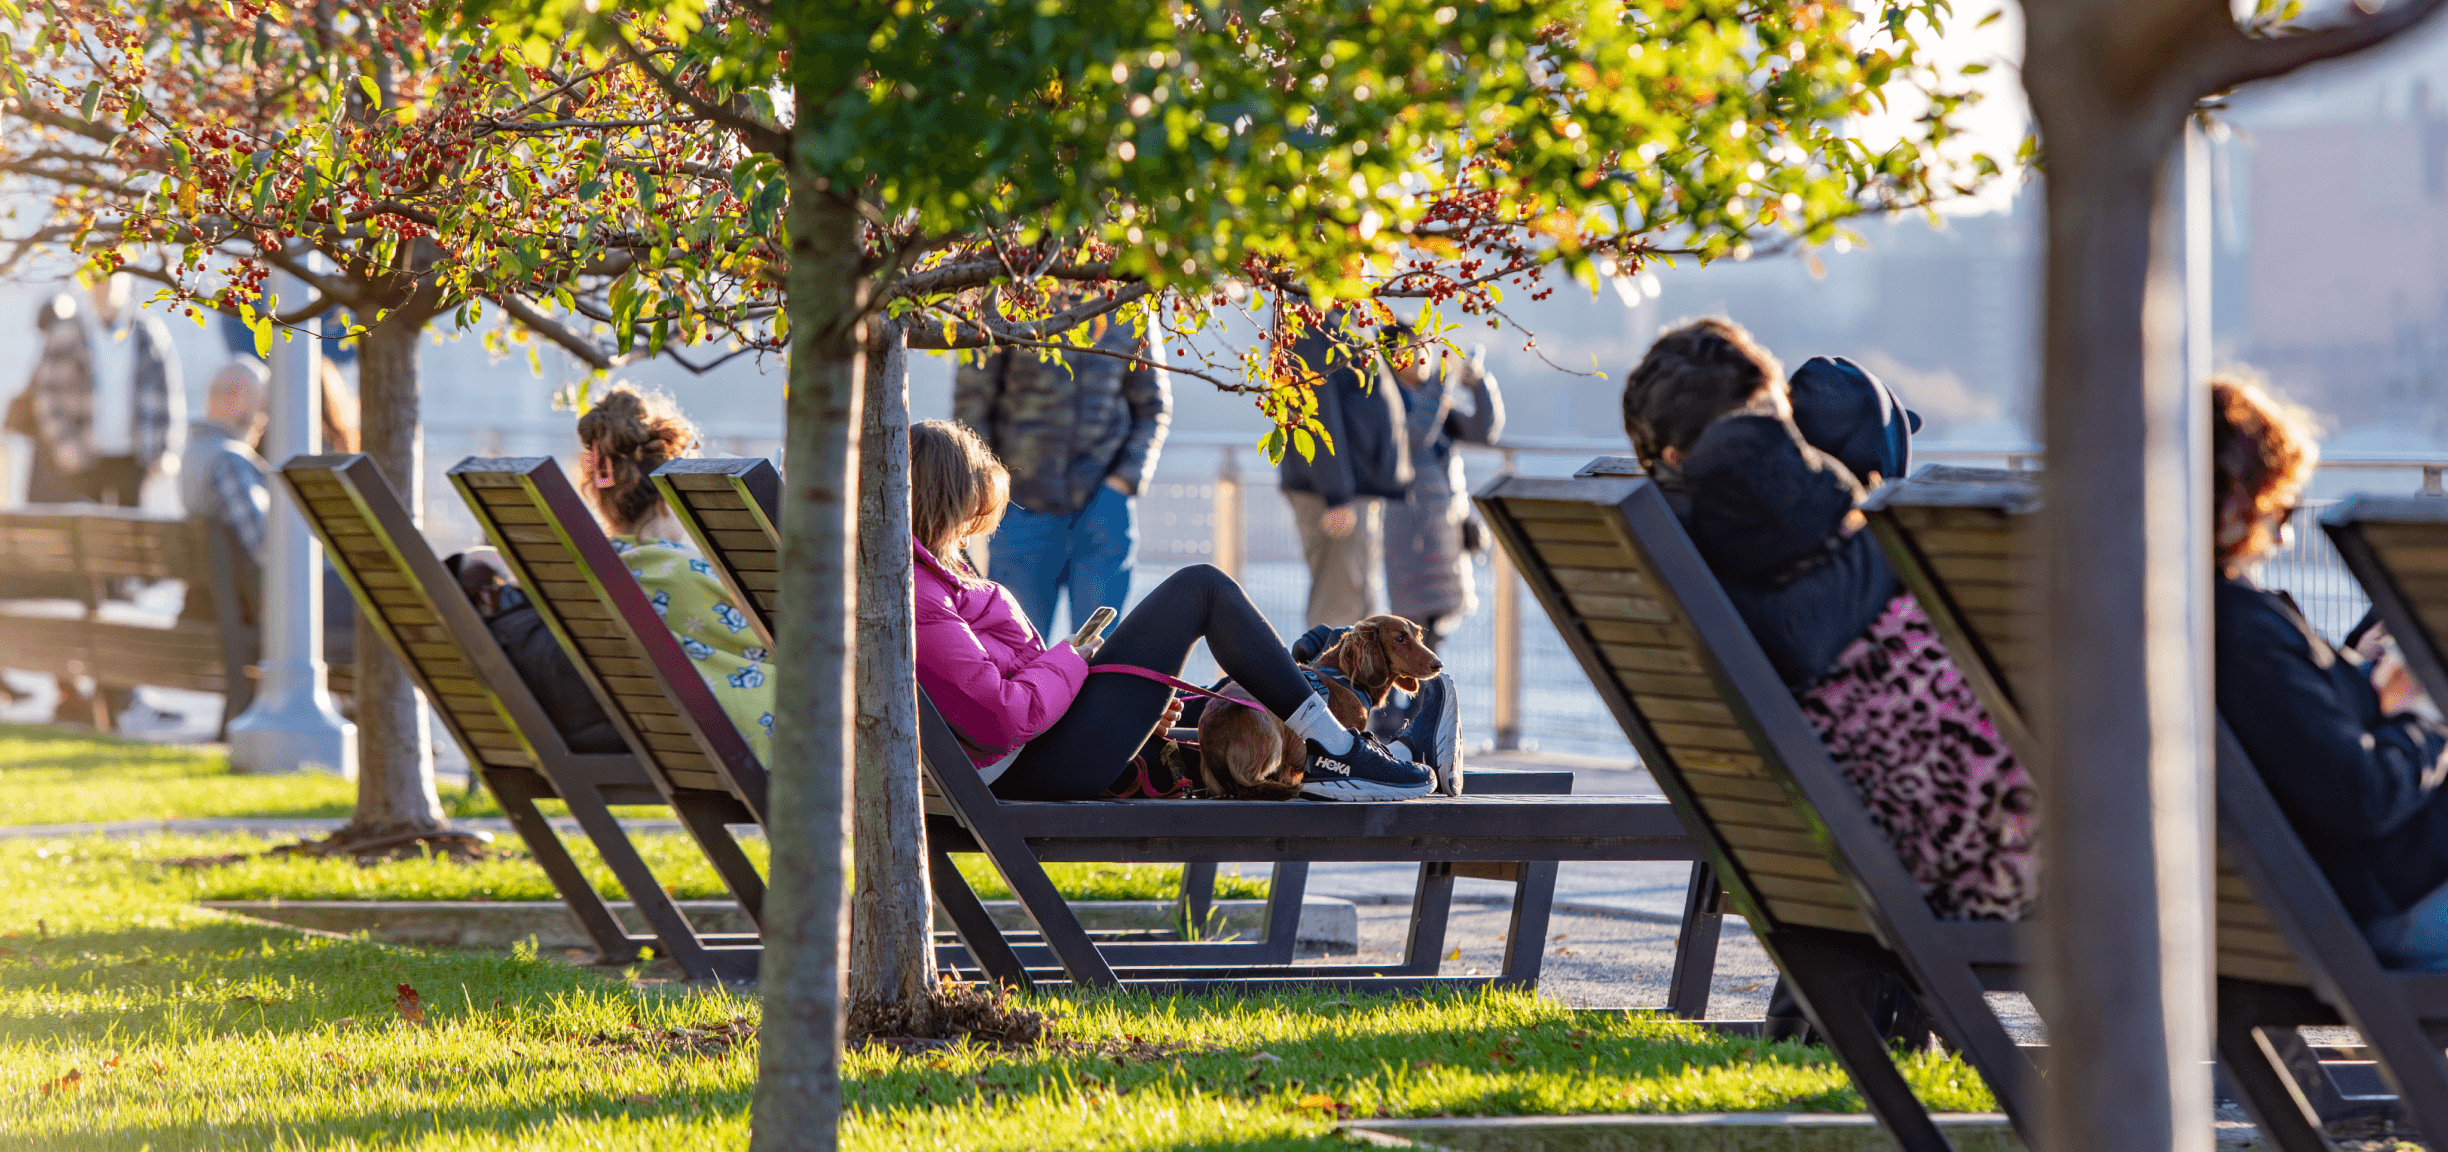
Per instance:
(1248,754)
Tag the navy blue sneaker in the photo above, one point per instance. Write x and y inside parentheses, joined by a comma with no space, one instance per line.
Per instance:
(1364,773)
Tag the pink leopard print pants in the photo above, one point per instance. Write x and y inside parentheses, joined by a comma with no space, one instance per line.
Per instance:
(1904,726)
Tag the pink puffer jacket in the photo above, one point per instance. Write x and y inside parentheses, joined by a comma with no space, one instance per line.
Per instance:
(982,663)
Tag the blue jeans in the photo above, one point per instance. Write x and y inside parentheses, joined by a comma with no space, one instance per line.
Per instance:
(1037,554)
(2416,938)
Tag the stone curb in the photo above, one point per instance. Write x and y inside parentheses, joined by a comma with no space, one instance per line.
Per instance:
(1324,922)
(1697,1132)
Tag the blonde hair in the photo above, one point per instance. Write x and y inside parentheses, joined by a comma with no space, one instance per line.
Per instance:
(957,487)
(2262,452)
(634,433)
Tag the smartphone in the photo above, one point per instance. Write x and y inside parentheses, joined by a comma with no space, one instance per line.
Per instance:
(1097,621)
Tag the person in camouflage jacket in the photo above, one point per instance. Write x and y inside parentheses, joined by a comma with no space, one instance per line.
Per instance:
(1080,433)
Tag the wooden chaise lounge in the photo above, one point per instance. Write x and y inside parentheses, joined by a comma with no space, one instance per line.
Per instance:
(2288,954)
(1798,856)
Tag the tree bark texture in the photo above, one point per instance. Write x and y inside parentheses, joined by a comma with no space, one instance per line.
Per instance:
(395,773)
(892,963)
(2124,704)
(798,1094)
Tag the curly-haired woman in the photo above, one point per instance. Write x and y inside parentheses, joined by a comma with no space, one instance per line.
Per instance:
(625,437)
(2338,739)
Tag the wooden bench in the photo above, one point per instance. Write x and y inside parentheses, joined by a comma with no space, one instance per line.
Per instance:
(2288,955)
(63,569)
(730,508)
(687,747)
(511,743)
(1783,829)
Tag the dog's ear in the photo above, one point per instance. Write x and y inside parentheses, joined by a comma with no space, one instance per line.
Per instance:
(1365,660)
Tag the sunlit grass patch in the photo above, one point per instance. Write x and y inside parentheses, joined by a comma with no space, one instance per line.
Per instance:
(59,776)
(131,1019)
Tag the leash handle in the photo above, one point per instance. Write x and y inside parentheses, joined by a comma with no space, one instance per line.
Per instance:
(1174,682)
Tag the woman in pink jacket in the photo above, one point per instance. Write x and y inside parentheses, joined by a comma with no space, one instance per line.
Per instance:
(1035,719)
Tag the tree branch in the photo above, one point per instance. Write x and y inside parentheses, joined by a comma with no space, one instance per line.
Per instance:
(987,334)
(565,125)
(547,327)
(2243,59)
(759,135)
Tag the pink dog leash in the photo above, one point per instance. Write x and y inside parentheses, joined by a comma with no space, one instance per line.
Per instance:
(1174,682)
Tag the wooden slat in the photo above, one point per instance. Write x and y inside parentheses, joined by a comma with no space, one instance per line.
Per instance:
(1738,812)
(1586,555)
(1681,738)
(721,518)
(1814,916)
(1771,839)
(752,560)
(1568,532)
(1672,709)
(1644,658)
(1641,684)
(1736,788)
(1722,763)
(1632,632)
(1821,892)
(1763,863)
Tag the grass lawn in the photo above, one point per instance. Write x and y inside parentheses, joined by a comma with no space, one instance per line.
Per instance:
(58,777)
(130,1019)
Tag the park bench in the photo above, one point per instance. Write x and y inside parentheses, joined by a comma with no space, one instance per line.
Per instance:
(65,570)
(1500,831)
(512,745)
(1797,855)
(2288,955)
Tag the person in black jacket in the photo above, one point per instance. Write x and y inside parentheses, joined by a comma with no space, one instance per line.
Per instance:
(2338,737)
(1764,475)
(533,651)
(1337,495)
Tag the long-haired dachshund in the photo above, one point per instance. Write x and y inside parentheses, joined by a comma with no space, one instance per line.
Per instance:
(1248,754)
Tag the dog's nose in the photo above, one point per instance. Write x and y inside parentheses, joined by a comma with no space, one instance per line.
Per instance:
(1435,666)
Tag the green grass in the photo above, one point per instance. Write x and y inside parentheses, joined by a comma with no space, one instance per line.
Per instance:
(59,777)
(514,876)
(55,776)
(187,1030)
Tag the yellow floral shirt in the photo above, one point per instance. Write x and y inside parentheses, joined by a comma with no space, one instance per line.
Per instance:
(714,632)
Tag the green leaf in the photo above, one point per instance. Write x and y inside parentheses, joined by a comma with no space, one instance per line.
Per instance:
(93,97)
(373,94)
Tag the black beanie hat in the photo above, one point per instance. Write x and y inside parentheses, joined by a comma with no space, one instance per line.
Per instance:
(1846,412)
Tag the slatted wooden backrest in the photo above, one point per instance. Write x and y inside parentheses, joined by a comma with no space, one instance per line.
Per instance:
(1960,540)
(1712,721)
(38,547)
(2397,547)
(586,595)
(418,609)
(731,509)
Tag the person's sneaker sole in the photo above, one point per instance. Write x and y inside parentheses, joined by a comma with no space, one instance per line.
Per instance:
(1346,789)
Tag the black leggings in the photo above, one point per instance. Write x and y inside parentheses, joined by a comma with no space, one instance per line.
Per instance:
(1081,755)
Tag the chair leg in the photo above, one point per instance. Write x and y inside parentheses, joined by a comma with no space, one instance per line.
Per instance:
(714,838)
(612,942)
(978,933)
(1057,925)
(1526,937)
(2269,1090)
(1198,891)
(1431,909)
(1830,976)
(1285,894)
(1695,962)
(654,905)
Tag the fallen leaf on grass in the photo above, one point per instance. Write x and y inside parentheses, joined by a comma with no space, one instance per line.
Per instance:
(642,1098)
(1319,1100)
(1456,954)
(67,1082)
(411,1006)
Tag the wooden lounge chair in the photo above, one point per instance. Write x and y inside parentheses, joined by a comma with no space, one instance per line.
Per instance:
(511,743)
(2397,548)
(688,748)
(2288,954)
(1783,829)
(730,508)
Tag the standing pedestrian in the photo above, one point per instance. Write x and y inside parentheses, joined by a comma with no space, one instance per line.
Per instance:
(1080,433)
(1336,495)
(1431,534)
(106,408)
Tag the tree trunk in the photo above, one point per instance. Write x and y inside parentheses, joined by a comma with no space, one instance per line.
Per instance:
(395,774)
(2124,705)
(892,961)
(798,1094)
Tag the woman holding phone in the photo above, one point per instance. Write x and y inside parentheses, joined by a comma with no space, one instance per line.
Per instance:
(1041,723)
